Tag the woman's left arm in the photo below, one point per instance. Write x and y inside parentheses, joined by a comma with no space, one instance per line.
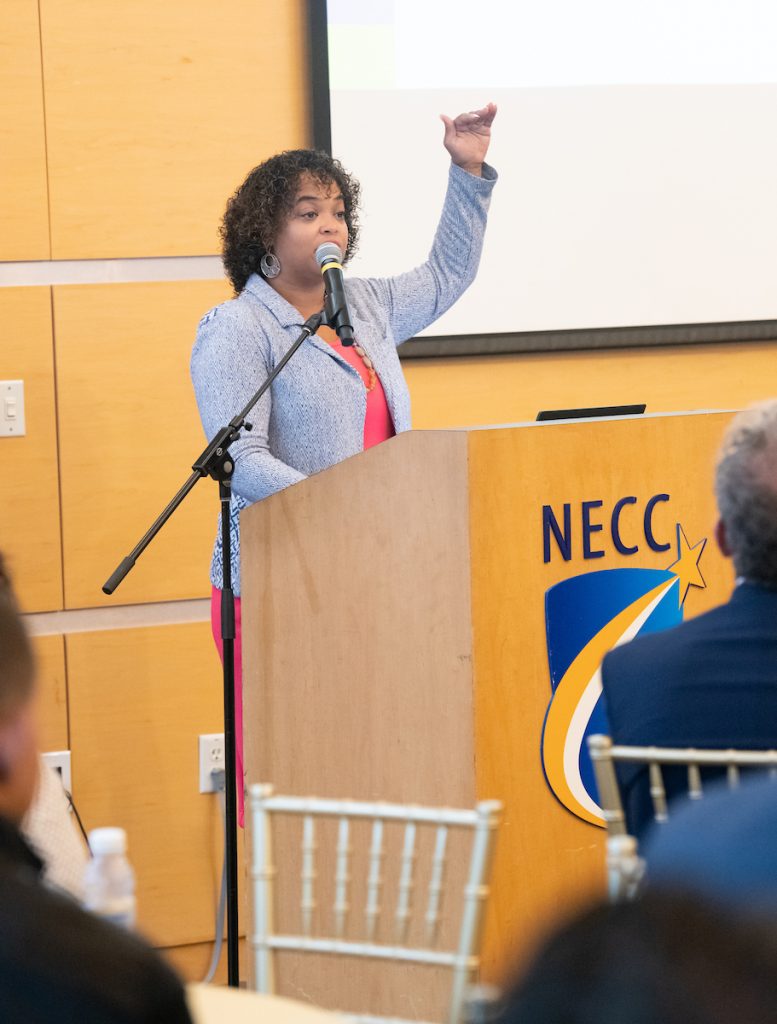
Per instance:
(416,299)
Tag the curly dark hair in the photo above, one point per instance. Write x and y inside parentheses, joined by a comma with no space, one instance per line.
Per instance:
(254,212)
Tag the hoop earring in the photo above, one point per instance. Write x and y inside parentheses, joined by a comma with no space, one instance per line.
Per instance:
(270,265)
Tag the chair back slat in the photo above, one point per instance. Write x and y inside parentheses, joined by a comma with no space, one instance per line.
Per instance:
(374,879)
(342,876)
(695,790)
(308,873)
(432,918)
(732,776)
(405,887)
(657,791)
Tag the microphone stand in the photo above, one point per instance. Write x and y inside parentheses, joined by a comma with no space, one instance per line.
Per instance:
(216,462)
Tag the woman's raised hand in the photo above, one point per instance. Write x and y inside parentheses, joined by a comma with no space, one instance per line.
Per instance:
(468,135)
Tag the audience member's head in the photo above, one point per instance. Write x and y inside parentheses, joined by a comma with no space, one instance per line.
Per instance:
(746,491)
(721,847)
(668,958)
(18,733)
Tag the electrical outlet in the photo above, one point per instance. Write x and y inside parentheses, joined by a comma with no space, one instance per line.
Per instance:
(211,758)
(59,760)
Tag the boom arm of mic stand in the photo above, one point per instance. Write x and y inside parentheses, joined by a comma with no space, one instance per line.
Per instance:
(211,462)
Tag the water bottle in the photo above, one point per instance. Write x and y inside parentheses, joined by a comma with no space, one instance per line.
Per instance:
(109,881)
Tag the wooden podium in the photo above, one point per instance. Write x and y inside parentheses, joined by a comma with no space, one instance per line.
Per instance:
(394,635)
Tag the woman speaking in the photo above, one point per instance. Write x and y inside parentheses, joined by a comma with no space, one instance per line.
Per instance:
(331,401)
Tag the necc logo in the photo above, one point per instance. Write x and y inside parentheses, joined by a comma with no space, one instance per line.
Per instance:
(590,521)
(588,614)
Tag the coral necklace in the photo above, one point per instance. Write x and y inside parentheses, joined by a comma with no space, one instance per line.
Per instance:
(371,375)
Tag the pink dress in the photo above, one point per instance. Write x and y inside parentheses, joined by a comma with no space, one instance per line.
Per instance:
(378,426)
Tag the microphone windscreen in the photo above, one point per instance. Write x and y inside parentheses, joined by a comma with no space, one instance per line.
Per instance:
(328,251)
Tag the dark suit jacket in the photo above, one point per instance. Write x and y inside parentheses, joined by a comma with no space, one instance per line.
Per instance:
(709,682)
(61,965)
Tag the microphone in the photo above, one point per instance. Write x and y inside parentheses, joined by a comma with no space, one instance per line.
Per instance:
(330,259)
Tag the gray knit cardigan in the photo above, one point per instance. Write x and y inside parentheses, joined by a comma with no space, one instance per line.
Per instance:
(313,415)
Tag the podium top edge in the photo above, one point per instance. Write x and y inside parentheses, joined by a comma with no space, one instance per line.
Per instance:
(591,419)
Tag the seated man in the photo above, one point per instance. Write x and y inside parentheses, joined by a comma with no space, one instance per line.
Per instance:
(711,681)
(57,962)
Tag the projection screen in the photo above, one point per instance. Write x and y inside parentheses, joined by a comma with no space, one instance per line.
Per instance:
(635,144)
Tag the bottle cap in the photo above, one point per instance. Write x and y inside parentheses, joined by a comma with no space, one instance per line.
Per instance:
(107,840)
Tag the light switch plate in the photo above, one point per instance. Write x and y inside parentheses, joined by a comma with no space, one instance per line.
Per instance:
(12,408)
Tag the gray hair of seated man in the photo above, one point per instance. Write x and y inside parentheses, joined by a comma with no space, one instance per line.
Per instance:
(746,491)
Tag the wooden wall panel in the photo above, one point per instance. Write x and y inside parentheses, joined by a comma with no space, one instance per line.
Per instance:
(138,700)
(510,389)
(29,487)
(24,213)
(52,692)
(129,432)
(155,113)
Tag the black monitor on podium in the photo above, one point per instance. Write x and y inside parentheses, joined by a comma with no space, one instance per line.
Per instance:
(591,413)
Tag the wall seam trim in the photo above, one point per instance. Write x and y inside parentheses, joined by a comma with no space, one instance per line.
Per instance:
(132,616)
